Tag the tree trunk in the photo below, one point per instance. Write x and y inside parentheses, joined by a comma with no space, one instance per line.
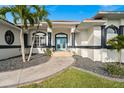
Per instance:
(119,57)
(22,45)
(31,49)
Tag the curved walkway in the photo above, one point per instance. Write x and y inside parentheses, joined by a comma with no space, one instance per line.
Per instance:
(58,62)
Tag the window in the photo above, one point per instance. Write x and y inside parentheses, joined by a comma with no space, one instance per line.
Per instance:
(111,31)
(9,37)
(61,35)
(40,39)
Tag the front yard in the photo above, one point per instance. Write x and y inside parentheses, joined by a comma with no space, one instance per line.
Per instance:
(73,78)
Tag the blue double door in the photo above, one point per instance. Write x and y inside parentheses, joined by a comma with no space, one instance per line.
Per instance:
(61,43)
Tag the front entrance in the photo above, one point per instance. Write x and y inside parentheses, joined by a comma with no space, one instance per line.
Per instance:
(61,41)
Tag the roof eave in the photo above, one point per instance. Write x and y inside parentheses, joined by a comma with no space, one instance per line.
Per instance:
(102,13)
(10,24)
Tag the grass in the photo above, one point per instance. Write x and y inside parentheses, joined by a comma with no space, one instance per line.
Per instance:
(73,78)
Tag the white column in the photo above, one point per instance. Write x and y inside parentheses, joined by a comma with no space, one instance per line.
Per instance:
(73,29)
(73,35)
(49,36)
(49,29)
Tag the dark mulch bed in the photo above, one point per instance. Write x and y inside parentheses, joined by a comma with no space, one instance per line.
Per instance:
(97,67)
(88,64)
(16,62)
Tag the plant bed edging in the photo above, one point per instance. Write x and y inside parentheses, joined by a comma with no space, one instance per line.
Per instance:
(102,76)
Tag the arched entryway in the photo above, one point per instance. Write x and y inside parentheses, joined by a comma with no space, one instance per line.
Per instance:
(61,40)
(40,39)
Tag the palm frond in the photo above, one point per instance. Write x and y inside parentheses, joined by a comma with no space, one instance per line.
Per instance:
(48,22)
(116,42)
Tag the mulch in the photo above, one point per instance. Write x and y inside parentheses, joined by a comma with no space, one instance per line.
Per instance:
(15,63)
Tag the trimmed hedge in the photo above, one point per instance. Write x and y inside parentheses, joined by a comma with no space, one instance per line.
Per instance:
(115,69)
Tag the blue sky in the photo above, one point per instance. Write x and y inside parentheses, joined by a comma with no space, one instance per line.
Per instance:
(76,12)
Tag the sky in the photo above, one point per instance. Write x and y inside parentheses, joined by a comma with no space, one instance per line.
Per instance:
(76,12)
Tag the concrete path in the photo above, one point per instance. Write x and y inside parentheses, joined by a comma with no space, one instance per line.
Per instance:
(58,62)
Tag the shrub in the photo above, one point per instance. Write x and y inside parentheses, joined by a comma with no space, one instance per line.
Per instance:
(115,69)
(48,52)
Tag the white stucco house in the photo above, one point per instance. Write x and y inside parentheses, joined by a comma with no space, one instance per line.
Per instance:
(9,47)
(87,38)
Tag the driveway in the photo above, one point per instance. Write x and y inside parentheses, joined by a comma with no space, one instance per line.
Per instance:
(58,62)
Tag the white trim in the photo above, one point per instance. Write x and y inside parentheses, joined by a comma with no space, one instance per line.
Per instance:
(10,24)
(94,21)
(55,23)
(110,12)
(65,22)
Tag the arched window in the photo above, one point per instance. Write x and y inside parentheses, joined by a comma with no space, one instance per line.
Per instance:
(61,35)
(9,37)
(111,31)
(40,39)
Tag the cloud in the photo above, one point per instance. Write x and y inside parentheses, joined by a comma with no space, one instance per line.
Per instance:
(109,8)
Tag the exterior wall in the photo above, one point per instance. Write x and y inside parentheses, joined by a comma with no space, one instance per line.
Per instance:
(122,55)
(115,22)
(85,41)
(39,50)
(82,38)
(102,55)
(90,37)
(9,52)
(109,55)
(97,42)
(97,36)
(3,29)
(122,21)
(93,38)
(87,37)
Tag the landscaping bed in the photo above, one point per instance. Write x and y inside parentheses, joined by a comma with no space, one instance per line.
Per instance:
(111,69)
(115,69)
(16,62)
(73,78)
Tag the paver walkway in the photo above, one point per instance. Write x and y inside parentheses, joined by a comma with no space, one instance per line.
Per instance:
(58,62)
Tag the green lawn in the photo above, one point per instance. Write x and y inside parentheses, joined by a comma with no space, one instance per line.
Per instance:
(73,78)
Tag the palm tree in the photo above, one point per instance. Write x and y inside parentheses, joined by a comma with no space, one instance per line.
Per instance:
(117,43)
(21,14)
(41,15)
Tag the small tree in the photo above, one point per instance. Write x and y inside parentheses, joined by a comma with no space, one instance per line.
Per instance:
(41,15)
(117,43)
(21,14)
